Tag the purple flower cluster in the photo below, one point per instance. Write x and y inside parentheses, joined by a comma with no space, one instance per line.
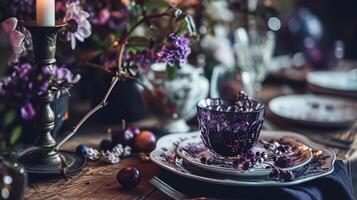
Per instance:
(175,51)
(142,59)
(109,13)
(24,82)
(22,8)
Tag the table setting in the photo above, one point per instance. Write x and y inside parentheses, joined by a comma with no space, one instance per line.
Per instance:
(175,99)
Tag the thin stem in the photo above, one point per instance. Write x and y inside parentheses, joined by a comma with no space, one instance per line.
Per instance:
(115,79)
(96,66)
(103,103)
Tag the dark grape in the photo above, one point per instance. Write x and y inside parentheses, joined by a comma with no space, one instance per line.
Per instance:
(283,162)
(203,160)
(106,145)
(81,149)
(247,165)
(129,177)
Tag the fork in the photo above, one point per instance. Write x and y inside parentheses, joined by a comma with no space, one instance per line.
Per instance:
(168,190)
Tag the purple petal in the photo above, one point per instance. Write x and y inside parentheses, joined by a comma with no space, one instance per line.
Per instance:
(28,112)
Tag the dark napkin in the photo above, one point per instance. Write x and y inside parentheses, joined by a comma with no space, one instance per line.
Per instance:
(334,186)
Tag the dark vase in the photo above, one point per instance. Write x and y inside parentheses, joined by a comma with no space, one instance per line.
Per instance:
(13,180)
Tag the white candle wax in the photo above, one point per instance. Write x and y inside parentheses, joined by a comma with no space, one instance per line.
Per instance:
(45,12)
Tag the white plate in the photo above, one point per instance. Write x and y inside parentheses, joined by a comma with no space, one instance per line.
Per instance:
(258,170)
(315,110)
(164,155)
(334,82)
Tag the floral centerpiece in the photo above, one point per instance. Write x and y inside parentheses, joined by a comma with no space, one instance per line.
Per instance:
(22,81)
(122,36)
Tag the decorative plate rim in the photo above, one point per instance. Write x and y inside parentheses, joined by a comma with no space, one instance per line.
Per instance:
(232,182)
(310,80)
(226,171)
(312,121)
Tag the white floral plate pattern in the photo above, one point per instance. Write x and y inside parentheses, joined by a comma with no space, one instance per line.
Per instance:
(301,155)
(165,156)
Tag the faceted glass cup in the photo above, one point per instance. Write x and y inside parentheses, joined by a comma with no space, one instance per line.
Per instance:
(226,130)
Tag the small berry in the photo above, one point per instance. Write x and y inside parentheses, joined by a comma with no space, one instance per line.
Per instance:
(203,160)
(283,162)
(81,149)
(247,165)
(106,145)
(129,177)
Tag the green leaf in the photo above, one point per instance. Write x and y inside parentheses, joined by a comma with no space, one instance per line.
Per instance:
(2,145)
(15,135)
(152,5)
(9,117)
(181,27)
(171,70)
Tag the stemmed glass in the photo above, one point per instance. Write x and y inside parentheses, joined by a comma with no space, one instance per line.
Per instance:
(254,51)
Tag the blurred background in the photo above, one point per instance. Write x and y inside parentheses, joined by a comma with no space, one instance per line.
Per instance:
(315,35)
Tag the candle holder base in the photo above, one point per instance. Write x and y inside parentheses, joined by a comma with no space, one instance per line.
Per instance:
(45,162)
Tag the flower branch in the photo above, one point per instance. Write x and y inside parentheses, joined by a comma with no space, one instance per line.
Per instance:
(120,44)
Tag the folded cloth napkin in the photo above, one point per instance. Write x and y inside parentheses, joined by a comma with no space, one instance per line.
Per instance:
(335,186)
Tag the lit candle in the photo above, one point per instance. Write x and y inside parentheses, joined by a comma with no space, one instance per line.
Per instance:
(45,12)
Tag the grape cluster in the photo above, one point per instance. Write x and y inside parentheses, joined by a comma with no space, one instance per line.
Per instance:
(282,161)
(280,175)
(277,147)
(248,160)
(244,102)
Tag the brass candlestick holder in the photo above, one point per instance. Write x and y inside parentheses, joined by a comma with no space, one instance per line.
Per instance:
(46,159)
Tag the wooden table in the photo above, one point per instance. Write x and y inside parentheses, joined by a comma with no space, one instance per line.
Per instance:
(98,180)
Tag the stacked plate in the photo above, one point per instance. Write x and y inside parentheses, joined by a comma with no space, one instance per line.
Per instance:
(315,110)
(334,82)
(184,154)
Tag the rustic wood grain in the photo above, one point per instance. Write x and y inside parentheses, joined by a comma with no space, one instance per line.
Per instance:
(96,181)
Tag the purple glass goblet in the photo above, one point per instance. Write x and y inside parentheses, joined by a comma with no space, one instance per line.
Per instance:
(226,129)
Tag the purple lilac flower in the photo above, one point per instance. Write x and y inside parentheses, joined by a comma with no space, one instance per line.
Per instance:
(28,111)
(142,59)
(175,51)
(107,13)
(64,76)
(22,8)
(24,82)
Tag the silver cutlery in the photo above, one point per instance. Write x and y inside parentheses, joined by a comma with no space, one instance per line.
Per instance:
(171,192)
(168,190)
